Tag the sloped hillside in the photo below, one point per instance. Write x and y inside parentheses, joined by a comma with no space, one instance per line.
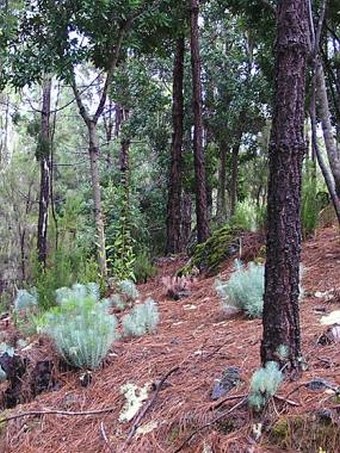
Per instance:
(194,343)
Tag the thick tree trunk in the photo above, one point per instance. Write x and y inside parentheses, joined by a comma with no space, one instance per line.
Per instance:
(327,128)
(173,221)
(97,204)
(199,163)
(44,156)
(281,326)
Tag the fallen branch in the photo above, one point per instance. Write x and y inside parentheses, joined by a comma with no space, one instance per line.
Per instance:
(148,406)
(57,412)
(285,400)
(212,422)
(228,398)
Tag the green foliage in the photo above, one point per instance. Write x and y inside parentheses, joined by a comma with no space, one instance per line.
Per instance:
(142,319)
(244,289)
(249,216)
(81,326)
(57,275)
(143,268)
(223,243)
(264,384)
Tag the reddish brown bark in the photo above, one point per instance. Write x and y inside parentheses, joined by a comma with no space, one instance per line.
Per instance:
(173,221)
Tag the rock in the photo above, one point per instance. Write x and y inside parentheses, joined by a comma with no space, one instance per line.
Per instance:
(317,384)
(230,378)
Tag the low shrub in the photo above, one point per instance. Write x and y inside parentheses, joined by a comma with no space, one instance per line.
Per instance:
(128,290)
(142,319)
(264,385)
(25,300)
(244,289)
(143,268)
(81,326)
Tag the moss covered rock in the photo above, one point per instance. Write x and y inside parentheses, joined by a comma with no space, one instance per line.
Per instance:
(222,244)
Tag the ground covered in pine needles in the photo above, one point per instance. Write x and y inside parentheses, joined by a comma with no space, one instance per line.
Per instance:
(193,344)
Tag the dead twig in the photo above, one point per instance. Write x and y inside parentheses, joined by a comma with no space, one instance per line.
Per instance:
(212,422)
(148,406)
(57,412)
(218,348)
(285,400)
(104,435)
(228,398)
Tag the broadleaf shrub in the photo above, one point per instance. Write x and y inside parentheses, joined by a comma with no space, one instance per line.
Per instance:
(264,385)
(244,289)
(81,327)
(142,319)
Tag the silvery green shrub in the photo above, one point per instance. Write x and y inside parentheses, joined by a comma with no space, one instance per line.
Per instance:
(117,302)
(128,289)
(25,300)
(244,289)
(142,319)
(82,329)
(264,384)
(78,291)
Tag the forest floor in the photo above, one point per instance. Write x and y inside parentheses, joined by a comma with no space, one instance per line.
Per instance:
(195,342)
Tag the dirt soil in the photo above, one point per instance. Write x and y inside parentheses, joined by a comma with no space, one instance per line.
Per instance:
(197,342)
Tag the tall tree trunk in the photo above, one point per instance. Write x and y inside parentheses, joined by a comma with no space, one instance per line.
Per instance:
(199,163)
(327,128)
(173,220)
(44,156)
(91,123)
(96,190)
(221,209)
(281,325)
(234,173)
(186,217)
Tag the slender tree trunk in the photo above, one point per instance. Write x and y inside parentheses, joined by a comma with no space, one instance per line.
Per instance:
(97,205)
(173,221)
(327,128)
(281,325)
(324,169)
(44,156)
(221,213)
(199,163)
(186,217)
(234,173)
